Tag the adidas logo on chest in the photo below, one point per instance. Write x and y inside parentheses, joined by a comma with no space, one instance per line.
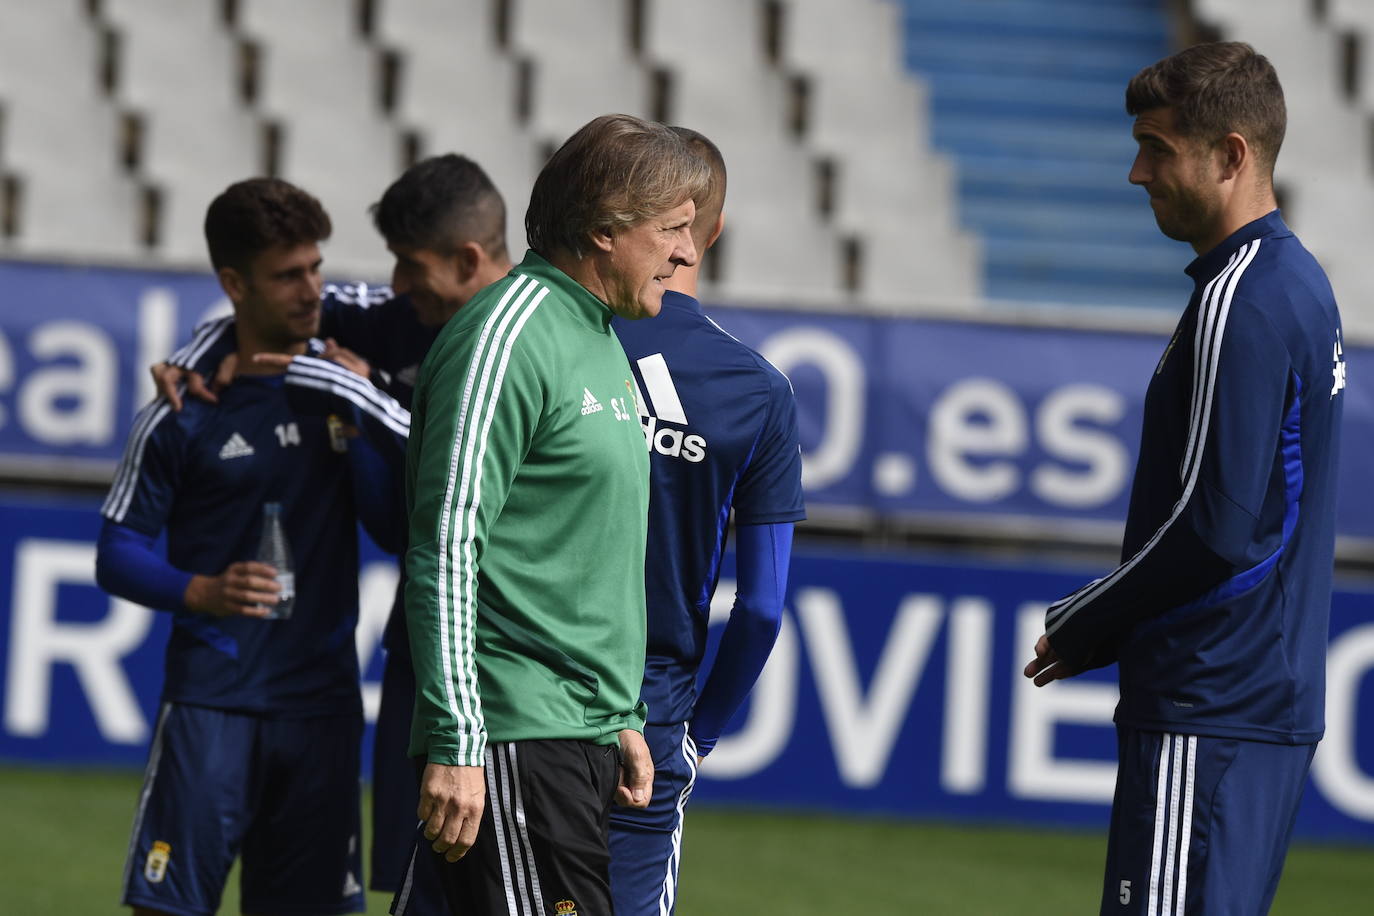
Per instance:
(666,407)
(589,403)
(235,447)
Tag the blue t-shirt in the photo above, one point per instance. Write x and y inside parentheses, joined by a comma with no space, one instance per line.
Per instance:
(721,427)
(1218,615)
(203,476)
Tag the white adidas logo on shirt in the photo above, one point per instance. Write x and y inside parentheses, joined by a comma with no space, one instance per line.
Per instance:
(236,447)
(589,402)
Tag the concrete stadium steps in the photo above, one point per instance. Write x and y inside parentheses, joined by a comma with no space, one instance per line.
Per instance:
(1063,57)
(1069,223)
(1131,22)
(1027,99)
(971,135)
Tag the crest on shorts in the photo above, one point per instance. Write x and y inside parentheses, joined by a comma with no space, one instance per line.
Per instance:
(155,866)
(565,908)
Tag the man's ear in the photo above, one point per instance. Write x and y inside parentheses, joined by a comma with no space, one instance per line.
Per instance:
(233,284)
(715,231)
(1235,153)
(468,260)
(602,238)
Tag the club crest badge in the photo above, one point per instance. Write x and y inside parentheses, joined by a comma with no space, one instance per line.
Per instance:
(565,908)
(155,866)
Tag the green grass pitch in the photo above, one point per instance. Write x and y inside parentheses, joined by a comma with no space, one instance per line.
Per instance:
(63,834)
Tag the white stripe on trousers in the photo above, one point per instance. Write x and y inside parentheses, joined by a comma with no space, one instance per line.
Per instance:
(1174,826)
(668,898)
(519,873)
(403,895)
(518,869)
(149,777)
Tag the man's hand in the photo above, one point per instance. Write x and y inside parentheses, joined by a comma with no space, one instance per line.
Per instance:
(332,351)
(636,771)
(451,803)
(1047,666)
(346,358)
(246,589)
(167,377)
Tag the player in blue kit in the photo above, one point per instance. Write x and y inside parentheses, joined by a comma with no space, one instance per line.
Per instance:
(256,746)
(721,427)
(1218,614)
(444,222)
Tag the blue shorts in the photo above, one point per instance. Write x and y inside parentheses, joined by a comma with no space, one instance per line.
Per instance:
(283,792)
(396,795)
(1200,824)
(646,843)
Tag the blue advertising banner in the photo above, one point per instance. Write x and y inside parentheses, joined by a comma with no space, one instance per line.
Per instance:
(985,424)
(895,686)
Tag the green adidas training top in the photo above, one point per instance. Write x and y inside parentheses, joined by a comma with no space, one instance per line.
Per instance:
(527,483)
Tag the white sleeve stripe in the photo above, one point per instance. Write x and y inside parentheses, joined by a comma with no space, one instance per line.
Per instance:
(360,294)
(1202,341)
(202,339)
(121,494)
(465,587)
(398,427)
(1217,304)
(469,598)
(465,707)
(378,402)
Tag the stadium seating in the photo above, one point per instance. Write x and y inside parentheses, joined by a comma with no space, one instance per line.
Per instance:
(893,193)
(836,196)
(448,47)
(1026,95)
(196,140)
(1324,171)
(61,139)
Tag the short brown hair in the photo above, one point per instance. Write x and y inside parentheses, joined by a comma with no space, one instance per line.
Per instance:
(251,216)
(1216,89)
(616,171)
(712,200)
(441,202)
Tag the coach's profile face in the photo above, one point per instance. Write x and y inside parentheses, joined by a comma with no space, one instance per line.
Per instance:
(278,293)
(633,262)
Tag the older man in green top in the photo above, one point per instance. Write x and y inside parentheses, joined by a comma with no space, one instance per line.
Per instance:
(527,484)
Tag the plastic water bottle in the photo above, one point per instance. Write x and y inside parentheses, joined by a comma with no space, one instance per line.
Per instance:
(274,551)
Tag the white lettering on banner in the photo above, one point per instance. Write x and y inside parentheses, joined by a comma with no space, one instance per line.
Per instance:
(38,641)
(1102,452)
(863,729)
(1034,770)
(70,404)
(772,705)
(6,373)
(1336,769)
(376,593)
(157,328)
(964,751)
(845,398)
(983,417)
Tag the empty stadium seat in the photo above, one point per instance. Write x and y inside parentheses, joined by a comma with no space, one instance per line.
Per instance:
(1323,171)
(868,115)
(61,139)
(457,91)
(578,54)
(1027,98)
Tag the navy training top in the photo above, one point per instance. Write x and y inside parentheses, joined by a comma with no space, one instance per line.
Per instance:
(1218,615)
(720,423)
